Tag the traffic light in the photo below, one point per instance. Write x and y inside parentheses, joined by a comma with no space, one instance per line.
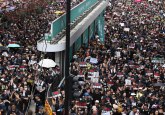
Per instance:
(75,85)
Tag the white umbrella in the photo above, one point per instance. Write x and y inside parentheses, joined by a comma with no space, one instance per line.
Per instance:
(13,46)
(163,66)
(47,63)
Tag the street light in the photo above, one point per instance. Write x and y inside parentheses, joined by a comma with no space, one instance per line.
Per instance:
(67,60)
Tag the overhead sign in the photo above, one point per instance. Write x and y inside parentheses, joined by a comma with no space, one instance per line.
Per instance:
(78,44)
(100,22)
(92,30)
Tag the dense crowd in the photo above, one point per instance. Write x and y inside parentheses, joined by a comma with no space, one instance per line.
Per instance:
(126,77)
(126,74)
(20,74)
(30,23)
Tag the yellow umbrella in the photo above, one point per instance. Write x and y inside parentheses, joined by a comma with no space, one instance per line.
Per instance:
(59,12)
(89,66)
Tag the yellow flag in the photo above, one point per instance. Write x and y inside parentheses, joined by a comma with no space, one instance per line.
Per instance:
(48,108)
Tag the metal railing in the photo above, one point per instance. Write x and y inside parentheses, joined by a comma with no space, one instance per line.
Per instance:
(74,23)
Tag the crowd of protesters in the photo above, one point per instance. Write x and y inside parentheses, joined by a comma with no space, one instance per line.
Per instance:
(122,78)
(12,5)
(20,74)
(126,74)
(31,22)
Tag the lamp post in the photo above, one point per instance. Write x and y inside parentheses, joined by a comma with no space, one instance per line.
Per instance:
(67,61)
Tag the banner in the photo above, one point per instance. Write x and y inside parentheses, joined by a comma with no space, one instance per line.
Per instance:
(100,23)
(47,36)
(48,109)
(85,37)
(78,44)
(92,30)
(158,60)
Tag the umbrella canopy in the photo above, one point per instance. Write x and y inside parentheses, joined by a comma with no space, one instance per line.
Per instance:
(163,66)
(2,48)
(47,63)
(159,84)
(13,46)
(59,12)
(56,94)
(159,56)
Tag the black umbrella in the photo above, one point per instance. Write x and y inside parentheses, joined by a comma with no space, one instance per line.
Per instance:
(159,84)
(2,48)
(158,56)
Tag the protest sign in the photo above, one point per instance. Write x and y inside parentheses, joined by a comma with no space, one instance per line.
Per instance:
(126,29)
(105,113)
(127,82)
(122,24)
(93,60)
(95,77)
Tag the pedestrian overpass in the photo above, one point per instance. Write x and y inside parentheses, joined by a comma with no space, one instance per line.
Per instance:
(87,18)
